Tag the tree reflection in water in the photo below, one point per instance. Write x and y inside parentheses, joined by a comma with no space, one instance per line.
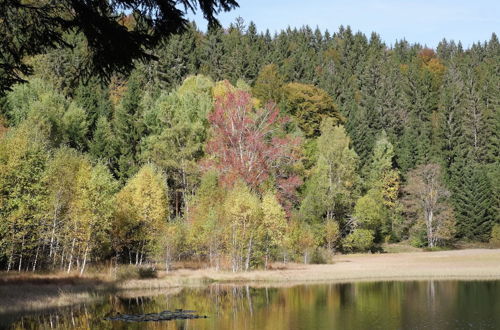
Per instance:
(377,305)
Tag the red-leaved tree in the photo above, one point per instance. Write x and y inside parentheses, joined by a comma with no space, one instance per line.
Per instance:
(250,144)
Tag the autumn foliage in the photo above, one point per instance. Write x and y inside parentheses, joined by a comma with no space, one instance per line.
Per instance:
(249,144)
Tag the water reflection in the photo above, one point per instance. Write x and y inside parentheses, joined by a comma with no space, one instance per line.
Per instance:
(378,305)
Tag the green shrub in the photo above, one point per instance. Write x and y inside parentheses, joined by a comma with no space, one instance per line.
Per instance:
(127,272)
(495,235)
(418,235)
(359,240)
(132,272)
(320,256)
(147,272)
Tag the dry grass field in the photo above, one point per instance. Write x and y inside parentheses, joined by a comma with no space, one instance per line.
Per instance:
(457,264)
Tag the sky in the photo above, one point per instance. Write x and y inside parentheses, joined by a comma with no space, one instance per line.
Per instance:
(426,22)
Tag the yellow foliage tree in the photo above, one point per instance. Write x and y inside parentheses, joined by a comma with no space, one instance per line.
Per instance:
(242,211)
(141,213)
(273,224)
(91,211)
(309,105)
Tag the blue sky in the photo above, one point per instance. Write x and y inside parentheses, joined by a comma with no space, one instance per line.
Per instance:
(425,21)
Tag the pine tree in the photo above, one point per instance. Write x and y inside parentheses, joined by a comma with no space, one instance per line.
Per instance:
(415,146)
(256,52)
(177,58)
(473,203)
(128,128)
(358,126)
(451,136)
(102,145)
(235,61)
(473,117)
(93,98)
(75,126)
(213,54)
(269,85)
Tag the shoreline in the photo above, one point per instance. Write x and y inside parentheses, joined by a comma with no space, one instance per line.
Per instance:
(37,292)
(456,264)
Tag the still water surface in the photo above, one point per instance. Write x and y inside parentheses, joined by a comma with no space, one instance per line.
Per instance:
(377,305)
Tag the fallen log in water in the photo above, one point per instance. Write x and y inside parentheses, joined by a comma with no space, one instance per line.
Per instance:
(178,314)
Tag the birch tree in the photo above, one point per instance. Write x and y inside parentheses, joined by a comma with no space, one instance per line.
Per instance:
(427,196)
(141,213)
(91,213)
(272,226)
(331,188)
(242,213)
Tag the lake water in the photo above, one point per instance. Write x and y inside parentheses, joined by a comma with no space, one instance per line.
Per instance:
(375,305)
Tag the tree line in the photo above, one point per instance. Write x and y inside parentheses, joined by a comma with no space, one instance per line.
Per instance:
(237,148)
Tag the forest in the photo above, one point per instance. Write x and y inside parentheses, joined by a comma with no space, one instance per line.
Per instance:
(236,148)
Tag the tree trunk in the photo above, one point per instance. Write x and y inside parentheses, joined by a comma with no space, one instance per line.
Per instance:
(184,198)
(249,253)
(20,262)
(71,256)
(176,196)
(142,253)
(62,258)
(52,235)
(36,259)
(430,232)
(54,255)
(266,258)
(9,264)
(84,260)
(167,260)
(117,256)
(217,265)
(21,255)
(234,257)
(210,256)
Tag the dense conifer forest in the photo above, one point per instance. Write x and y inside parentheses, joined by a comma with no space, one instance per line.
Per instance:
(235,148)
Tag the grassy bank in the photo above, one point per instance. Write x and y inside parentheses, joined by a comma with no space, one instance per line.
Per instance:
(458,264)
(31,292)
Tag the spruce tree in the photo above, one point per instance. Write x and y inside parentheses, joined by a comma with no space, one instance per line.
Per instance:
(128,127)
(94,99)
(213,54)
(451,135)
(102,145)
(473,203)
(358,126)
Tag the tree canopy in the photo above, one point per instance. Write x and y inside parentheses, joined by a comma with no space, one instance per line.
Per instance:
(116,32)
(236,148)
